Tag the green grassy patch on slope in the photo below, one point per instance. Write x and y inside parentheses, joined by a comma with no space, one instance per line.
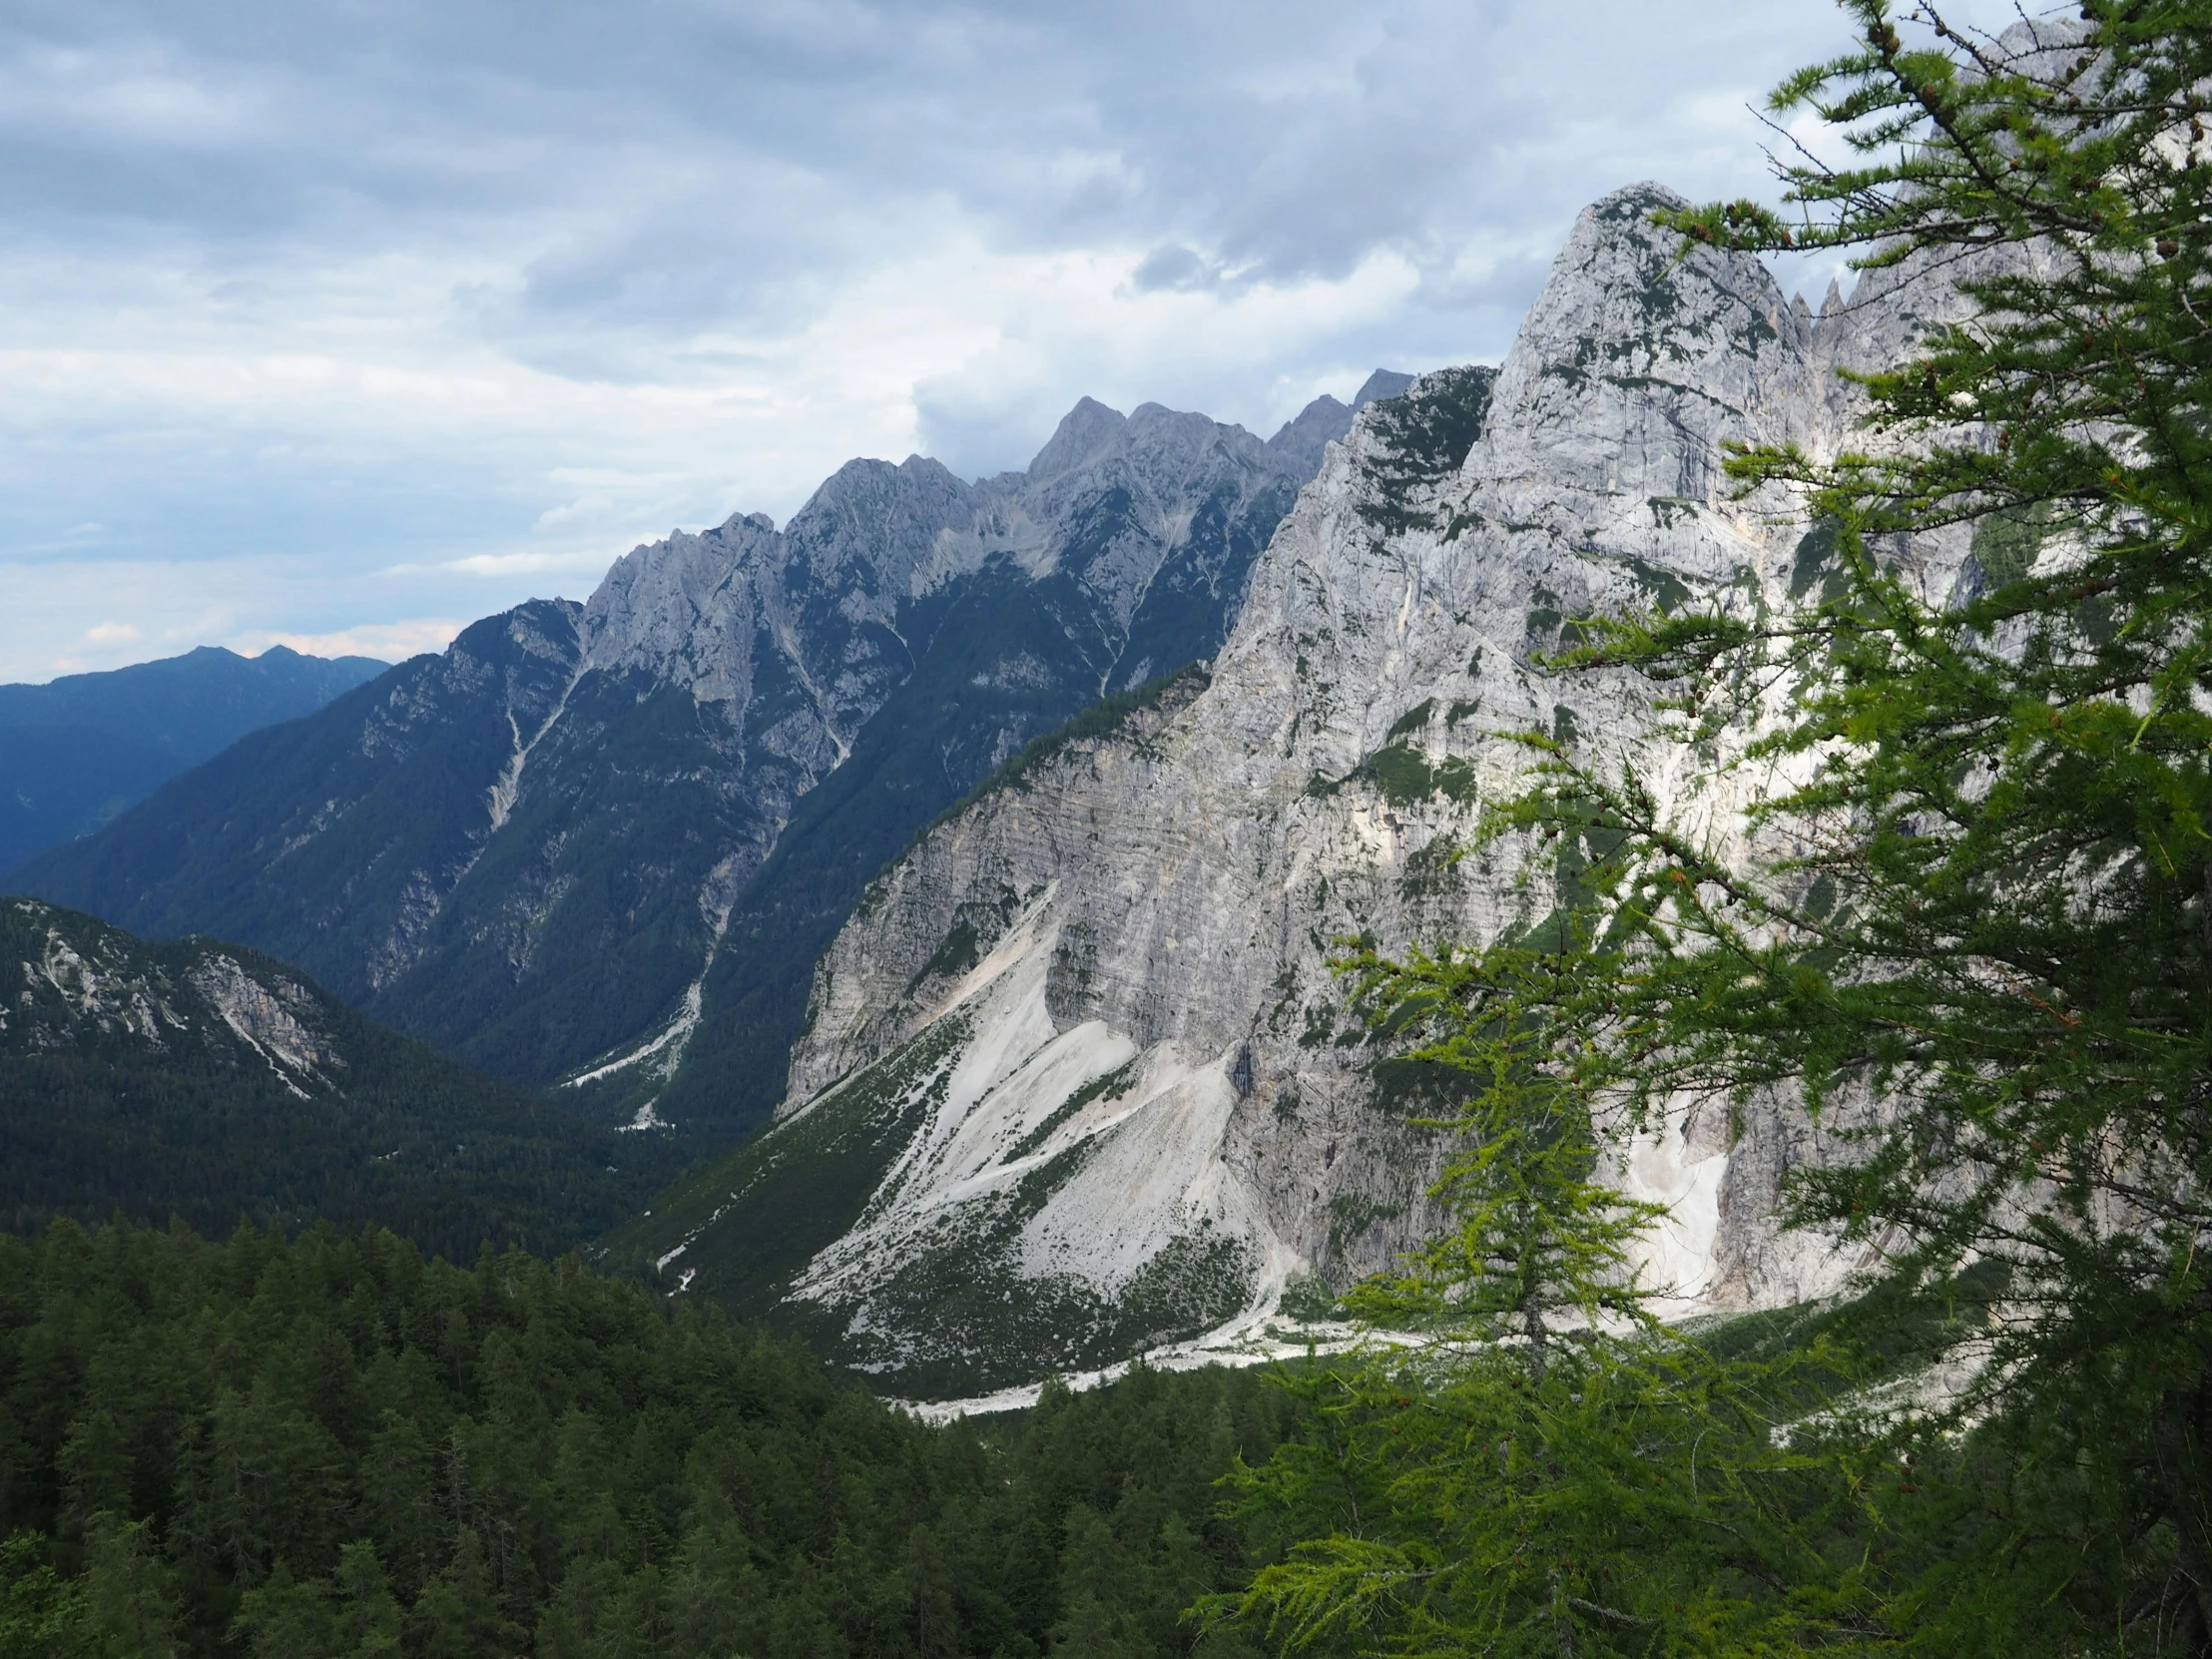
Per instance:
(756,1215)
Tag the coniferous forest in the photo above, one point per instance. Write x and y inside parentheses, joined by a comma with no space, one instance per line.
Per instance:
(1986,957)
(330,1446)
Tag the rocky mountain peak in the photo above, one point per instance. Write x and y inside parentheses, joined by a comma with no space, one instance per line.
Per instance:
(1083,432)
(593,792)
(1303,438)
(1314,428)
(883,517)
(680,611)
(1090,1025)
(1640,359)
(1167,455)
(1108,496)
(1156,424)
(1383,383)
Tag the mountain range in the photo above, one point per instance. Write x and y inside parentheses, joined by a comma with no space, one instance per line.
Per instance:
(1077,1079)
(601,844)
(987,846)
(77,750)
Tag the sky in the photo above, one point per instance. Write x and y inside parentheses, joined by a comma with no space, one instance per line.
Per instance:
(340,324)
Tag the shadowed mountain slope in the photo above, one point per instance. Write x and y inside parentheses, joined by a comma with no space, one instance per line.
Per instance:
(206,1081)
(76,751)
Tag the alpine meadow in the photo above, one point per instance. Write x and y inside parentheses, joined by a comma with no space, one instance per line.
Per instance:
(1565,1011)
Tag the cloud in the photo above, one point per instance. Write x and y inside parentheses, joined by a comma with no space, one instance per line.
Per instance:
(391,641)
(60,615)
(500,565)
(1171,266)
(431,302)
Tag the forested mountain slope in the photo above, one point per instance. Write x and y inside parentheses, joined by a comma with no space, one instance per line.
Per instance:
(77,750)
(1078,1079)
(206,1081)
(548,850)
(327,1447)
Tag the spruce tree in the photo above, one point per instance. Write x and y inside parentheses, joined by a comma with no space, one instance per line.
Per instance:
(1523,1459)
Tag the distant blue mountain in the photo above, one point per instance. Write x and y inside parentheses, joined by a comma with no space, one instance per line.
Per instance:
(77,750)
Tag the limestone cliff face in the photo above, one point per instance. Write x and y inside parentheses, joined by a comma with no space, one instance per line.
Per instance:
(78,988)
(902,634)
(1079,1060)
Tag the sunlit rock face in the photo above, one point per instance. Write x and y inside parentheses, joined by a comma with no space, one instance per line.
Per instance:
(1077,1079)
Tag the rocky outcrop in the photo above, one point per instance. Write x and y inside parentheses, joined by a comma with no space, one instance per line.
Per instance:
(1079,1062)
(272,1014)
(1306,437)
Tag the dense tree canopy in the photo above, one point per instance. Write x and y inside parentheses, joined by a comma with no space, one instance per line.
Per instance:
(330,1447)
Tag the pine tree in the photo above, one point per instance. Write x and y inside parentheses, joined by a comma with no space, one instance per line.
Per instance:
(1524,1459)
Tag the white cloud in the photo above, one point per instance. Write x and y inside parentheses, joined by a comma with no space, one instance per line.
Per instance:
(501,565)
(313,318)
(391,641)
(60,616)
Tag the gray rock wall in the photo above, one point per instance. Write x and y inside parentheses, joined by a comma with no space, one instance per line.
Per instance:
(1179,887)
